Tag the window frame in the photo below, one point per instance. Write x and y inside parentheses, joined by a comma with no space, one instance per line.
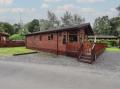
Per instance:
(40,37)
(50,36)
(64,39)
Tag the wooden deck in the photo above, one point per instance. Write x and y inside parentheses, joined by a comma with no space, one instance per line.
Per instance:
(85,52)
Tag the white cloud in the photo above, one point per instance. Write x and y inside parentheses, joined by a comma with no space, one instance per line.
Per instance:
(90,1)
(6,2)
(67,7)
(45,6)
(87,10)
(51,1)
(16,10)
(113,10)
(74,9)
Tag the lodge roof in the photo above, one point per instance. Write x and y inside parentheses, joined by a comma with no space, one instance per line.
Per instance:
(85,26)
(4,34)
(103,37)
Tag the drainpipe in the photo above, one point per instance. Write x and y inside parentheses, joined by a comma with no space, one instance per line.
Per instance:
(57,43)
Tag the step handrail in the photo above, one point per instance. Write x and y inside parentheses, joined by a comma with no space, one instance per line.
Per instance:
(93,58)
(80,51)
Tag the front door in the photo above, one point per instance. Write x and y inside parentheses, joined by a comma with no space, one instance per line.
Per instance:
(73,43)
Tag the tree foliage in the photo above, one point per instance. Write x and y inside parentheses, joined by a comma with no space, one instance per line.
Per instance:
(118,8)
(102,26)
(68,19)
(33,26)
(45,25)
(17,37)
(6,27)
(17,28)
(52,18)
(115,24)
(105,26)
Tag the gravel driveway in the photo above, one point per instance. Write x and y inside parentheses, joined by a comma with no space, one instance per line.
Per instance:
(108,61)
(48,71)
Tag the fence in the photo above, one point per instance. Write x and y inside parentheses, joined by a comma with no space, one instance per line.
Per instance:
(10,43)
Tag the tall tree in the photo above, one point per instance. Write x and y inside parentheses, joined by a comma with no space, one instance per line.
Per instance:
(52,18)
(45,25)
(33,26)
(17,28)
(6,27)
(76,19)
(67,19)
(118,8)
(102,26)
(115,24)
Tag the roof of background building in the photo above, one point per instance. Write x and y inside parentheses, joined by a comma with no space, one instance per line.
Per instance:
(4,34)
(103,37)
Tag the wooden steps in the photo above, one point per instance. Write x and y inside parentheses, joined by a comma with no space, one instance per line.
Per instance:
(85,58)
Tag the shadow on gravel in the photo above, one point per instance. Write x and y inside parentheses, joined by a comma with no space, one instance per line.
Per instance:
(107,61)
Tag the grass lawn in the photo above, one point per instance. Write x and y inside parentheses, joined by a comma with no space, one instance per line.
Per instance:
(13,50)
(113,49)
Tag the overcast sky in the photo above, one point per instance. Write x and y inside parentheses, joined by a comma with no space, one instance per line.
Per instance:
(11,10)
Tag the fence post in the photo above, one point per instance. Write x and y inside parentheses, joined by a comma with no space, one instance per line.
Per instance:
(119,41)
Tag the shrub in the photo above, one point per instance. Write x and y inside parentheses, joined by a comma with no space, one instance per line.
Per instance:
(17,37)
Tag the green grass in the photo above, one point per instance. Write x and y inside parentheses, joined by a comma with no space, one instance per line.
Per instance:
(13,50)
(113,49)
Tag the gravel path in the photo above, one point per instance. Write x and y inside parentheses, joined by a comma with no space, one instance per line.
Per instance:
(109,61)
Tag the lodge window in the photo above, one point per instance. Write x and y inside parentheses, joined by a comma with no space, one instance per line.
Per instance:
(40,38)
(73,36)
(64,39)
(50,37)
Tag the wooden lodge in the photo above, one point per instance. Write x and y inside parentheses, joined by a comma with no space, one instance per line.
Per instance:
(3,38)
(71,41)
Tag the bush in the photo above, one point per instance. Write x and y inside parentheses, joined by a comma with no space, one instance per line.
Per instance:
(112,43)
(17,37)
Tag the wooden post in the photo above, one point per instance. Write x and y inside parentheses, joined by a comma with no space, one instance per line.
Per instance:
(119,41)
(57,43)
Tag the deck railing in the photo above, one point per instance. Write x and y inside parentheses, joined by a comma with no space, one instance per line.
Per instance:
(99,48)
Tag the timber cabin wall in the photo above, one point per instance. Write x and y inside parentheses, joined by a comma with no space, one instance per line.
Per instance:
(56,45)
(41,42)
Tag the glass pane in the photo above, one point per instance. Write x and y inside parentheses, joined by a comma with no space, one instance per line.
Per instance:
(73,38)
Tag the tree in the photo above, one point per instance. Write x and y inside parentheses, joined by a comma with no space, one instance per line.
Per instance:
(118,8)
(17,28)
(45,25)
(52,18)
(6,27)
(115,24)
(33,26)
(17,37)
(68,19)
(76,20)
(102,26)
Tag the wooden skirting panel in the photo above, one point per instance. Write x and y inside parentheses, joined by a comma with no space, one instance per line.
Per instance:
(48,50)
